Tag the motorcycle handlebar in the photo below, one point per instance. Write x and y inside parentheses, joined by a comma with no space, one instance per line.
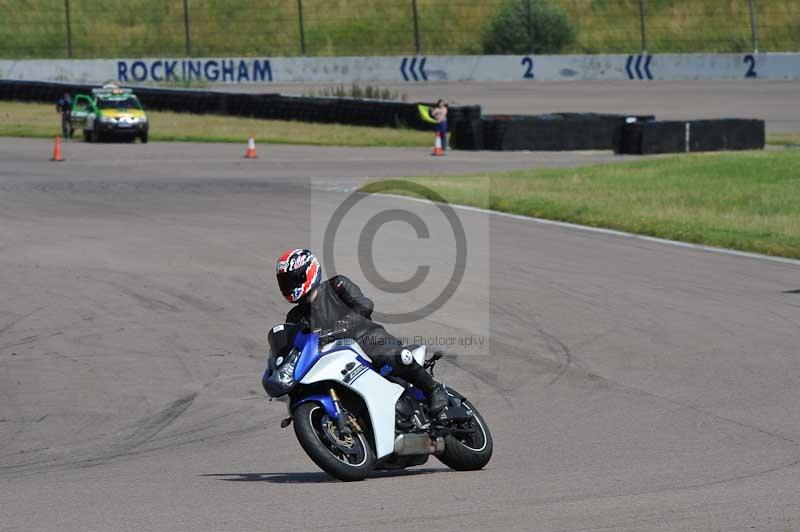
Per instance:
(321,333)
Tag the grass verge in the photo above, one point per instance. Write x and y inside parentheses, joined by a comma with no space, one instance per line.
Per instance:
(18,119)
(787,140)
(22,119)
(746,201)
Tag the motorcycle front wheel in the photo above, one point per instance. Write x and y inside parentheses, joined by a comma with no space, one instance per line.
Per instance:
(346,457)
(470,448)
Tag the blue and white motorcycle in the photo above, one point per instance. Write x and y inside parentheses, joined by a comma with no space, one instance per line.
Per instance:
(351,417)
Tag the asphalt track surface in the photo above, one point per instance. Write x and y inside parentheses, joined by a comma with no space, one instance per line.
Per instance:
(630,385)
(770,100)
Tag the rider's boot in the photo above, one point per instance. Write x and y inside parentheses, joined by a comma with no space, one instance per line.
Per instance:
(437,399)
(435,392)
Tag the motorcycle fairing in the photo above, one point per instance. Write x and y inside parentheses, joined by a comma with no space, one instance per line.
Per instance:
(379,395)
(307,344)
(324,400)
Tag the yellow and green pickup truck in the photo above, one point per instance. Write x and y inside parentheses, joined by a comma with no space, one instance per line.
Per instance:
(109,111)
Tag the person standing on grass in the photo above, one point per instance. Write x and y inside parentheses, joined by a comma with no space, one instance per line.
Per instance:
(440,115)
(64,106)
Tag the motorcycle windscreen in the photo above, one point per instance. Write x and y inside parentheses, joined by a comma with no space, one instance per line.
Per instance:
(281,338)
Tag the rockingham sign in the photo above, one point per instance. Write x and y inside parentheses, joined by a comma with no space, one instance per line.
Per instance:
(211,70)
(639,68)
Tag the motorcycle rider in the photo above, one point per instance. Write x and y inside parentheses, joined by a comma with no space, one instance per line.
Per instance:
(328,304)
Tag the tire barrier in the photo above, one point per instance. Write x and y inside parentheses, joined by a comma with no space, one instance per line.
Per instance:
(468,135)
(552,132)
(470,130)
(352,111)
(695,135)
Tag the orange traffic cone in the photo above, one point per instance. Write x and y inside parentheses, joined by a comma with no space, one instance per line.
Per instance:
(251,149)
(437,146)
(57,151)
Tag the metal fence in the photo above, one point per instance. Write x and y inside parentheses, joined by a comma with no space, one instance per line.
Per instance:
(141,28)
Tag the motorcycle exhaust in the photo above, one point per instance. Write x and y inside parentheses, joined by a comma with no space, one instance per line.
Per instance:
(438,447)
(414,444)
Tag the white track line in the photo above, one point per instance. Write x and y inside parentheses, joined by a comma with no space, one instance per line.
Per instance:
(613,232)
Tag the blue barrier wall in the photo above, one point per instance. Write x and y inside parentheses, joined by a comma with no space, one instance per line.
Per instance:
(411,69)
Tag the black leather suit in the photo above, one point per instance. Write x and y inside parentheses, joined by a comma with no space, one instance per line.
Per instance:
(340,302)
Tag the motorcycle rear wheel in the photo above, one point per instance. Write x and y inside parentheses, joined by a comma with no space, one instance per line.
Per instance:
(469,452)
(348,460)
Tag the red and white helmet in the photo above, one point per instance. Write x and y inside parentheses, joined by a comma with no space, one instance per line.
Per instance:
(298,273)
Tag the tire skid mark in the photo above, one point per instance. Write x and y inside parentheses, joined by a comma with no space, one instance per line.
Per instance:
(701,411)
(189,299)
(24,341)
(513,503)
(13,322)
(152,425)
(148,302)
(791,463)
(555,346)
(178,296)
(145,430)
(54,464)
